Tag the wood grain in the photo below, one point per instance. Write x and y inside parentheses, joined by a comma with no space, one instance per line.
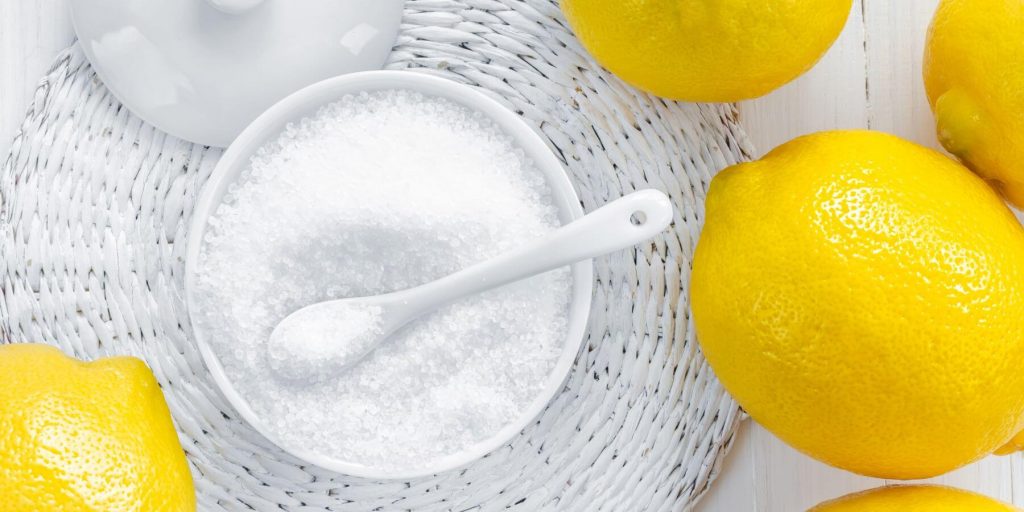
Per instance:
(31,34)
(895,37)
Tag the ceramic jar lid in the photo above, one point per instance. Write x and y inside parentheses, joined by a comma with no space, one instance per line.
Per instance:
(203,70)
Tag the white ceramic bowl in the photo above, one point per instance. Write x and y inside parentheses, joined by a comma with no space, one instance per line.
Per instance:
(305,103)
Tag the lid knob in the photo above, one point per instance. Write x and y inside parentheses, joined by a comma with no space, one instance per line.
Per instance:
(234,6)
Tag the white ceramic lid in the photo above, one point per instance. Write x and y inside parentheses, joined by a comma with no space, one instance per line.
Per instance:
(203,70)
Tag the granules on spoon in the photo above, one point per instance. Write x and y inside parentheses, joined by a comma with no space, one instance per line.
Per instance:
(375,193)
(319,346)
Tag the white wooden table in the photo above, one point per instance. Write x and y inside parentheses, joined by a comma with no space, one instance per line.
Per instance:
(870,79)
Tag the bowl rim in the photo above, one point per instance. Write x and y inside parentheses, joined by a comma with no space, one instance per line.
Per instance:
(307,101)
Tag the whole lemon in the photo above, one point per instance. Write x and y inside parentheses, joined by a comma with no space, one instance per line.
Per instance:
(914,498)
(861,296)
(89,437)
(974,76)
(707,50)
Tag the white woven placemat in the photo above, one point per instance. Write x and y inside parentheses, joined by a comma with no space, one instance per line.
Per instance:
(94,210)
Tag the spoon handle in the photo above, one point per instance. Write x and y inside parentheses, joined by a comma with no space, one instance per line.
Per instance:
(617,225)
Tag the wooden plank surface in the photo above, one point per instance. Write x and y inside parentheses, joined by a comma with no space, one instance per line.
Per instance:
(870,78)
(31,34)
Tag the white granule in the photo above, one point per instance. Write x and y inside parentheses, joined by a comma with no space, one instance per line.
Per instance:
(321,342)
(376,193)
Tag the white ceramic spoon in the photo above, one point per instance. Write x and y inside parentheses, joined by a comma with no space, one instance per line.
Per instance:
(322,339)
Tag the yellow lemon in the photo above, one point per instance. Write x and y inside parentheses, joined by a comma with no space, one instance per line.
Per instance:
(974,76)
(86,437)
(861,297)
(919,498)
(707,50)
